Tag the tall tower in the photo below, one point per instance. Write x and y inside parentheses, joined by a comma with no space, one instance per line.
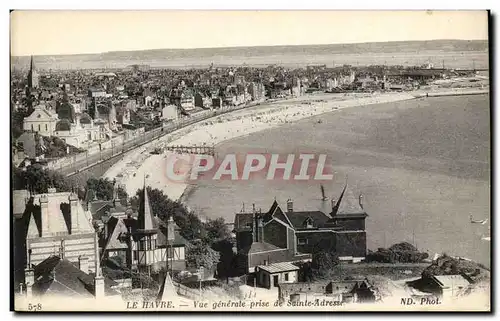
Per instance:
(145,235)
(32,76)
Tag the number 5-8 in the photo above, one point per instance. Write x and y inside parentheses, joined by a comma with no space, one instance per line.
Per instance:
(34,307)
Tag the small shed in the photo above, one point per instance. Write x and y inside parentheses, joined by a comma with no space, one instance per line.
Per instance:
(271,275)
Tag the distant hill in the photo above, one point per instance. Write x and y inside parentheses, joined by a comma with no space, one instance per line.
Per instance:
(270,53)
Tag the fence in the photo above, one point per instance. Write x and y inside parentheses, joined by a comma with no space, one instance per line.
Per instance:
(82,161)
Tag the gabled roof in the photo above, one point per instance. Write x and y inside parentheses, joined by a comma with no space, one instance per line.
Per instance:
(299,218)
(279,267)
(60,215)
(167,290)
(451,281)
(349,204)
(259,247)
(145,218)
(115,240)
(40,114)
(162,227)
(58,276)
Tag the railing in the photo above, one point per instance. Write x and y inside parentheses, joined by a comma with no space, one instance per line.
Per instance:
(84,160)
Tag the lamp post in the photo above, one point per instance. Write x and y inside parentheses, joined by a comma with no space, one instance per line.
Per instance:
(200,273)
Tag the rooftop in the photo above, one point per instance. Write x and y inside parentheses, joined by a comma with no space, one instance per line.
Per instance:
(279,267)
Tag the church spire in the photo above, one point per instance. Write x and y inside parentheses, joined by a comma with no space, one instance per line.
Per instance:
(335,208)
(145,213)
(32,75)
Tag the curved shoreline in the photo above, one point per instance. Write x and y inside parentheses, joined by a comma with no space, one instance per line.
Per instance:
(236,124)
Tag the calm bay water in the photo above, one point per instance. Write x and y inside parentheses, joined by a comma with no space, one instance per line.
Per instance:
(423,166)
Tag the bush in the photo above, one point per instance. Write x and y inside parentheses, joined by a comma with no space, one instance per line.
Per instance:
(398,253)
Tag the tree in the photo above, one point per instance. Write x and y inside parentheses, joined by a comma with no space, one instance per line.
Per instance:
(324,260)
(17,122)
(200,254)
(39,180)
(217,230)
(103,189)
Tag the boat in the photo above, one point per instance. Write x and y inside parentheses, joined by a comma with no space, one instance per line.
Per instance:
(473,221)
(323,196)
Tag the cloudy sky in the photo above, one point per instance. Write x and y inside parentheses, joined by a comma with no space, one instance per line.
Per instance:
(73,32)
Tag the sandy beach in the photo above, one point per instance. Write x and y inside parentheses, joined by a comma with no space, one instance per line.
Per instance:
(140,165)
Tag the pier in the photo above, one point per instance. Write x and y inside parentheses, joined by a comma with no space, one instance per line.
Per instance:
(203,150)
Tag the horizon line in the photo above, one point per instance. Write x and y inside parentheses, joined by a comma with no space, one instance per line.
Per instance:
(245,46)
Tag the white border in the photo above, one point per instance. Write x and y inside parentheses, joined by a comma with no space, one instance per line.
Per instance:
(191,4)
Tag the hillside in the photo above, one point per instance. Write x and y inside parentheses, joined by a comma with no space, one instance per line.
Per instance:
(274,52)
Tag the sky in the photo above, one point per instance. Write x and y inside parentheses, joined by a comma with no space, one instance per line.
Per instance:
(78,32)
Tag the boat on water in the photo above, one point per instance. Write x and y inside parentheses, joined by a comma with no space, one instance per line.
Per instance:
(323,196)
(473,221)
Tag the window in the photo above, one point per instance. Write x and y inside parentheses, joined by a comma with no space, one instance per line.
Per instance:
(32,128)
(302,241)
(46,127)
(134,255)
(38,127)
(286,276)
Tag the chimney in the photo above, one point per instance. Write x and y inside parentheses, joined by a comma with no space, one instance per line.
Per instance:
(73,202)
(289,205)
(29,258)
(98,279)
(62,249)
(260,230)
(44,209)
(29,280)
(170,229)
(83,263)
(361,201)
(254,224)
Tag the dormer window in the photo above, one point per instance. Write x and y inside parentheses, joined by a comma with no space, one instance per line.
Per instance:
(308,223)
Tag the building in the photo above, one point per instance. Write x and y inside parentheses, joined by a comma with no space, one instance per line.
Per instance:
(27,142)
(170,112)
(202,101)
(54,223)
(187,100)
(56,276)
(342,291)
(259,242)
(272,275)
(279,236)
(447,286)
(216,102)
(96,92)
(41,121)
(81,133)
(144,242)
